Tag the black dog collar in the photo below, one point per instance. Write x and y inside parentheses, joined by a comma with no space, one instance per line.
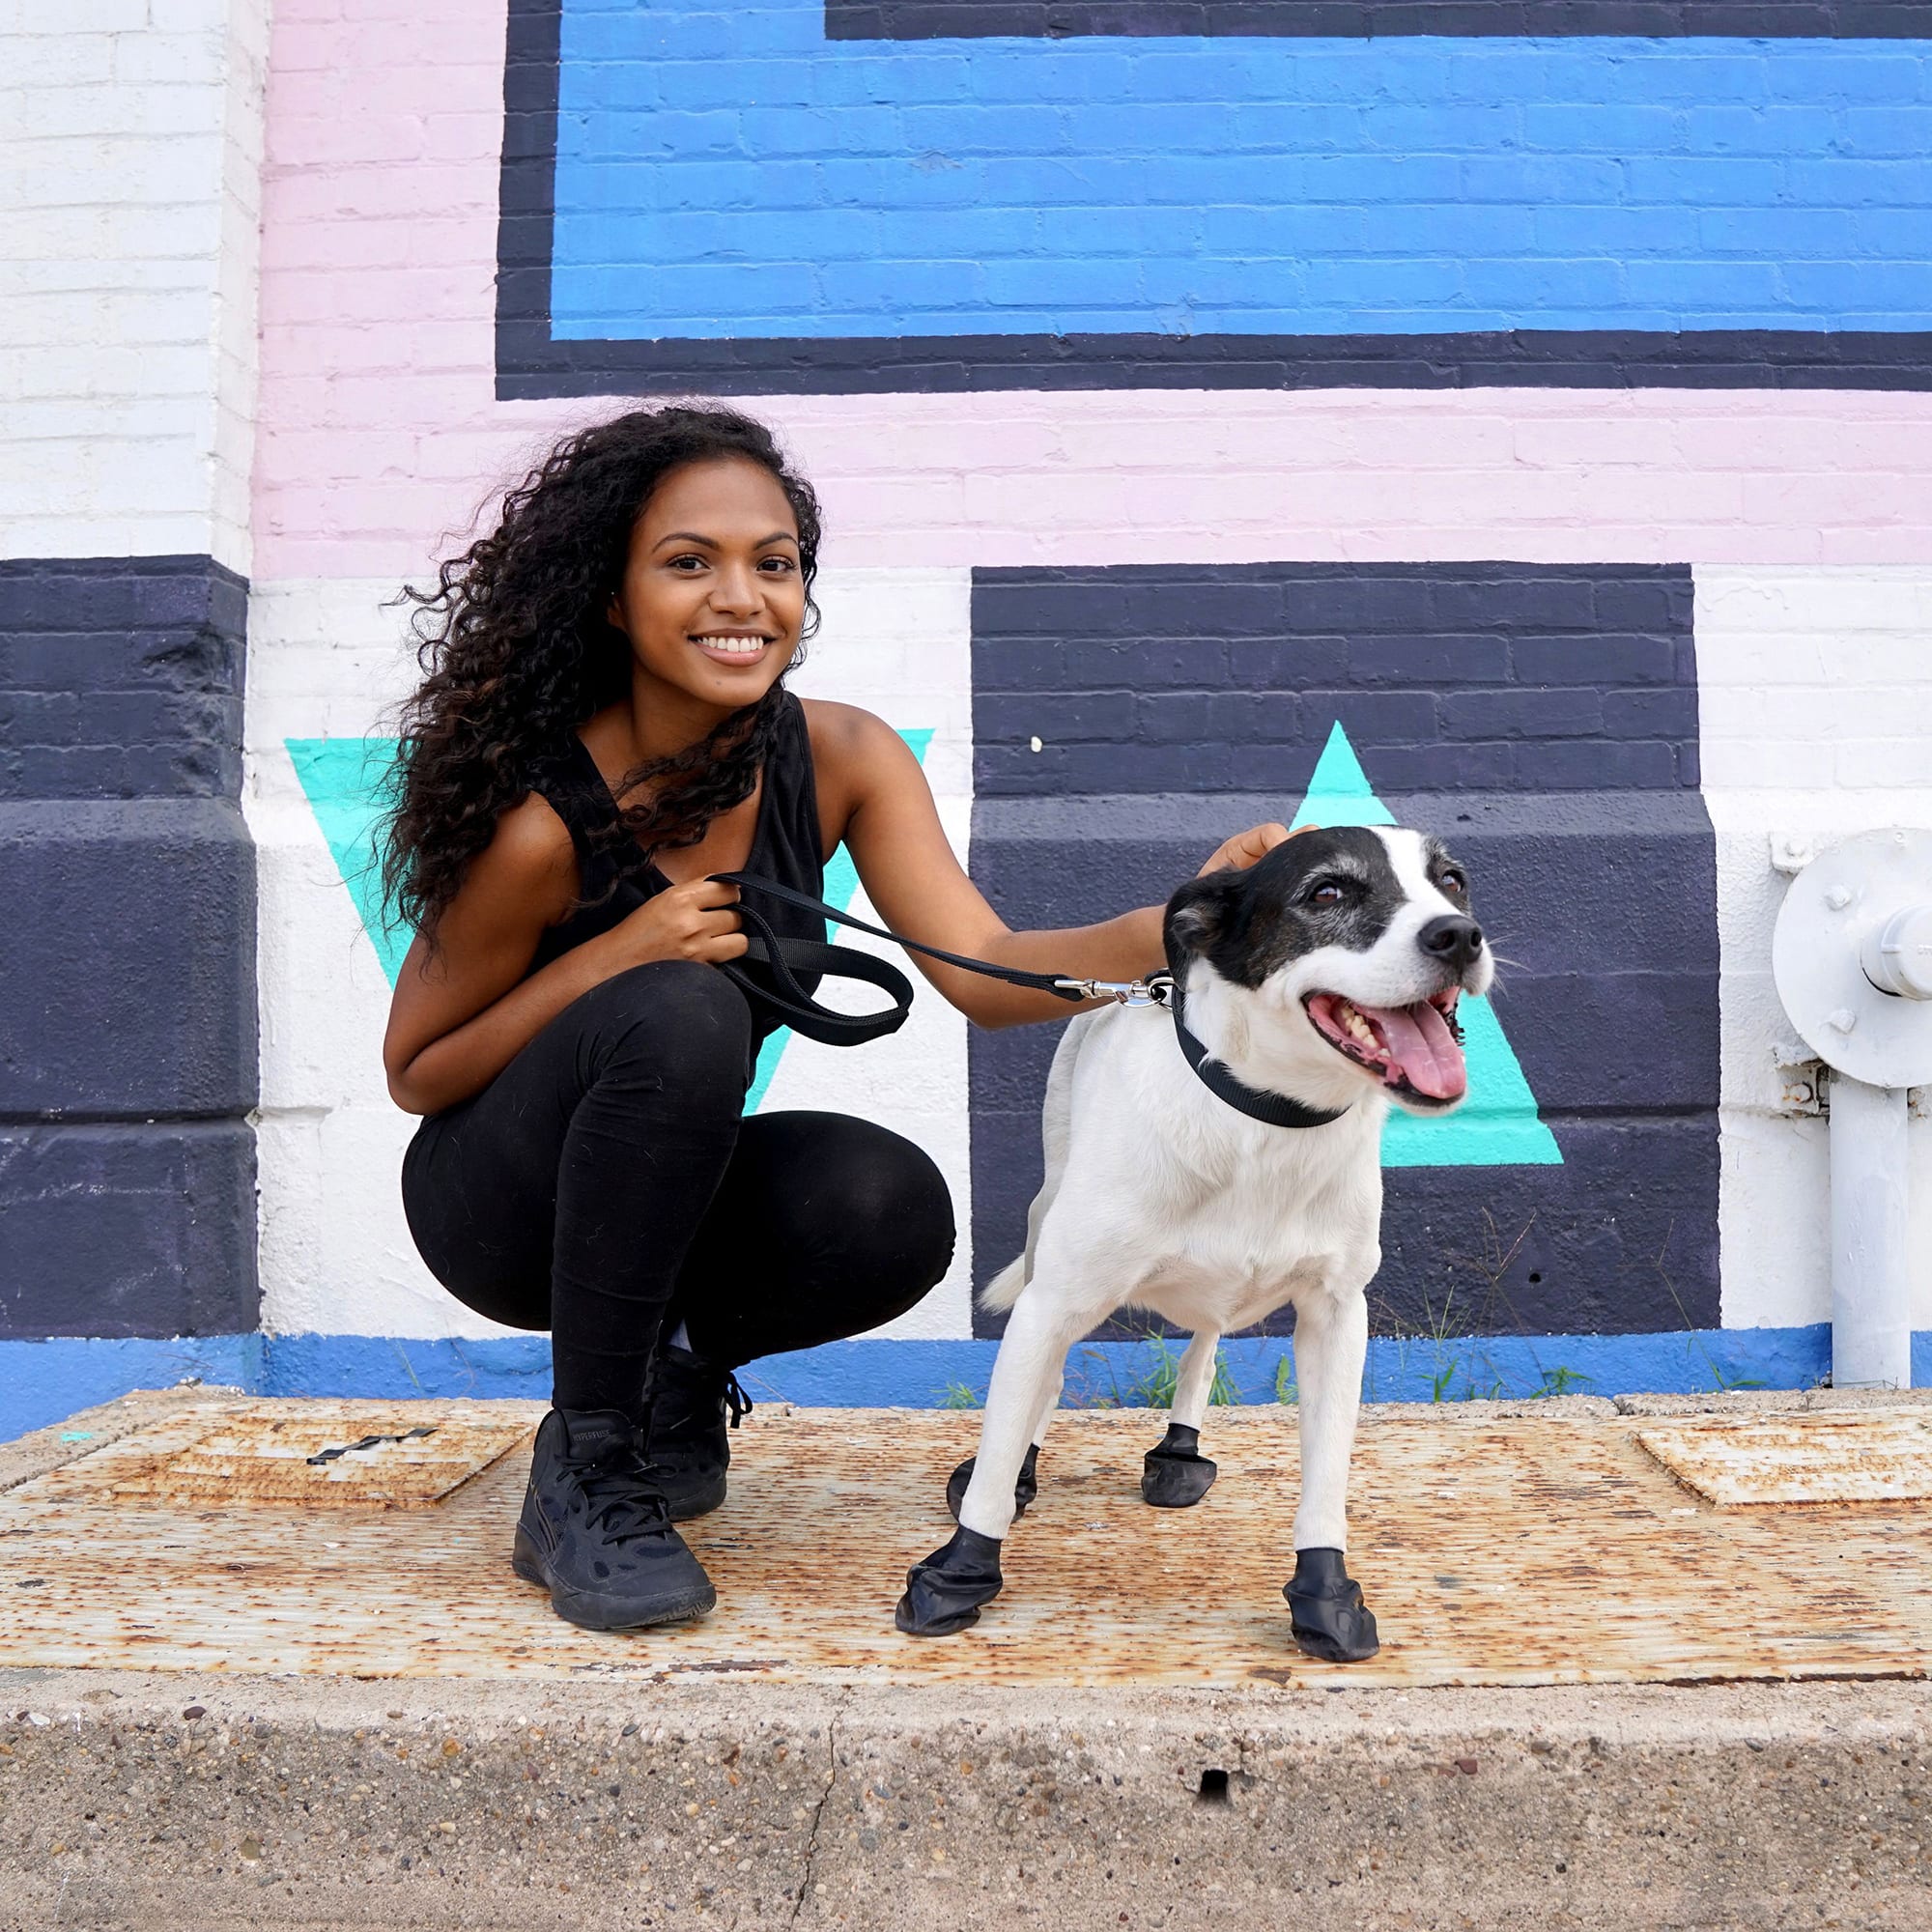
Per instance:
(1274,1110)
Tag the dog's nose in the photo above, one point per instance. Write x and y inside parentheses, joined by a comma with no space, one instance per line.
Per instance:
(1453,939)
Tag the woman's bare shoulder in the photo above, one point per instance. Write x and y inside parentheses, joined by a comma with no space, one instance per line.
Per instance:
(848,732)
(856,757)
(529,862)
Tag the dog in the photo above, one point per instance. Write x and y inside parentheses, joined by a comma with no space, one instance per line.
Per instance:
(1219,1161)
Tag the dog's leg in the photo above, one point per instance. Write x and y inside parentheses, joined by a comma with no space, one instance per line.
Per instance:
(1028,1486)
(1175,1474)
(1331,1341)
(944,1593)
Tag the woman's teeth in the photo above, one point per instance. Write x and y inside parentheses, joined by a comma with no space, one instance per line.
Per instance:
(730,646)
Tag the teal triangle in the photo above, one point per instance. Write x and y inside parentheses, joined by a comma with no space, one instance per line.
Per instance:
(346,780)
(842,885)
(1340,792)
(1498,1125)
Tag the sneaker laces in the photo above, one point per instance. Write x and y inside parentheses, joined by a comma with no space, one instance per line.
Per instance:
(736,1400)
(621,1495)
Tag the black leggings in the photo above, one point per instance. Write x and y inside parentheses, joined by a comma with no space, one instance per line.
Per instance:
(605,1187)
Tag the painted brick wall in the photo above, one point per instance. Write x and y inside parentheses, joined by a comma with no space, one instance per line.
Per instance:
(128,1036)
(1544,719)
(131,140)
(1540,392)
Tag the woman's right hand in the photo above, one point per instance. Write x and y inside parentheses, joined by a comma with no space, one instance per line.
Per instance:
(698,920)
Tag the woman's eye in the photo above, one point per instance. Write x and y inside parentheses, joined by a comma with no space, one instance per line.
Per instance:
(779,566)
(687,563)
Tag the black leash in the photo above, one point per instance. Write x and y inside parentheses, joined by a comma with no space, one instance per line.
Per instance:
(787,958)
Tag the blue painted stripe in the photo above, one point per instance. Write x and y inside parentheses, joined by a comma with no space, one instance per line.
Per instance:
(728,176)
(41,1382)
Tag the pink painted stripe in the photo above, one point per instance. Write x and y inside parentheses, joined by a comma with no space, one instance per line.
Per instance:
(381,435)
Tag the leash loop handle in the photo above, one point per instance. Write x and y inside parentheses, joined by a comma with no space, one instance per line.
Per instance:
(788,957)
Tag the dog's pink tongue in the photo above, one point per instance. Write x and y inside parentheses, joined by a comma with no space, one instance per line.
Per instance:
(1422,1045)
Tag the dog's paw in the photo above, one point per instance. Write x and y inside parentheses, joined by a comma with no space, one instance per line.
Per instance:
(1025,1489)
(1176,1475)
(944,1593)
(1326,1609)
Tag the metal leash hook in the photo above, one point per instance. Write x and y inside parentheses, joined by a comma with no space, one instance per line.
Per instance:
(1153,992)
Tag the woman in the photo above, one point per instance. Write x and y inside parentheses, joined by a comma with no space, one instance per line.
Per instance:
(603,725)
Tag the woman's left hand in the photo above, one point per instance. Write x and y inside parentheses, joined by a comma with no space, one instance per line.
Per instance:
(1244,848)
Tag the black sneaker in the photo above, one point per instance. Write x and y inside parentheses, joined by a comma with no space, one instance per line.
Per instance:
(689,1401)
(596,1529)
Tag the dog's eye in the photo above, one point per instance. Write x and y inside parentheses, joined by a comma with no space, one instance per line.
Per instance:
(1328,892)
(1452,881)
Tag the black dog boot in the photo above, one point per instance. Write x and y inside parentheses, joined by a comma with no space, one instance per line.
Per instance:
(944,1593)
(1326,1609)
(689,1401)
(596,1531)
(1175,1475)
(1025,1488)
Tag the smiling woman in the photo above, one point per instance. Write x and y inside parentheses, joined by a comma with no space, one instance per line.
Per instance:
(603,727)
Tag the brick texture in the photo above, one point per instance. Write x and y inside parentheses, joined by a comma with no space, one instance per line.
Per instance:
(128,1036)
(1545,721)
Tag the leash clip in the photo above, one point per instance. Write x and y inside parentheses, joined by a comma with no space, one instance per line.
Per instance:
(1155,992)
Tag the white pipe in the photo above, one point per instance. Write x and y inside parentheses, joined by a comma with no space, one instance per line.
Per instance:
(1871,1320)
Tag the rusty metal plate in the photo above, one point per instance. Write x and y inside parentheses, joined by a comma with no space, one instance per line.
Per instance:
(315,1455)
(1874,1456)
(1497,1550)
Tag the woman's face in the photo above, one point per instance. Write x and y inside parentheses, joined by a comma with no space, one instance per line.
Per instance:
(713,598)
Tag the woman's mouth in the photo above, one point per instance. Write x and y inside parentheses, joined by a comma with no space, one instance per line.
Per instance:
(731,647)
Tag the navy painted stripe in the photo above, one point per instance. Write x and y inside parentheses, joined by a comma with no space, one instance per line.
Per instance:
(1351,19)
(531,364)
(45,1382)
(127,1022)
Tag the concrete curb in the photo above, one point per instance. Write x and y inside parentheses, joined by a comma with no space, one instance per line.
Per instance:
(215,1801)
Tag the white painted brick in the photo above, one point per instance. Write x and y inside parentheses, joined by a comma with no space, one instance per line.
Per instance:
(129,162)
(27,20)
(1815,689)
(68,59)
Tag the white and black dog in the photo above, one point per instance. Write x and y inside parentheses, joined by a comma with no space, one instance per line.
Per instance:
(1218,1162)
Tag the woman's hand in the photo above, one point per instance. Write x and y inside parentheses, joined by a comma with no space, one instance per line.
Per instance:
(698,920)
(1245,848)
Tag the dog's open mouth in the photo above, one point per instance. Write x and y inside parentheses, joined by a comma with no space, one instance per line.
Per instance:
(1416,1050)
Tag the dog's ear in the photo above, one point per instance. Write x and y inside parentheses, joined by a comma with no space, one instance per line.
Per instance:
(1199,915)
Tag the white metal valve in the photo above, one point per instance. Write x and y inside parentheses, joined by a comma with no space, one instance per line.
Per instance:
(1896,954)
(1852,956)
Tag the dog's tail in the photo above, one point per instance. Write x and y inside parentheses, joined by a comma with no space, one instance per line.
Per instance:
(1006,1287)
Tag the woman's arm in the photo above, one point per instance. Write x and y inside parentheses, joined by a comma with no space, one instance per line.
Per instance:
(920,889)
(462,1014)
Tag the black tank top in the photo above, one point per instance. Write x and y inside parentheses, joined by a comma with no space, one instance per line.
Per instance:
(614,877)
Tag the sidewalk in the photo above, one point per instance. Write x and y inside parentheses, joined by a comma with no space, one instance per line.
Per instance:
(277,1713)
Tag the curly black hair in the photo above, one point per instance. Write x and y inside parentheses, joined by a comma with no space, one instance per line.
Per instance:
(517,651)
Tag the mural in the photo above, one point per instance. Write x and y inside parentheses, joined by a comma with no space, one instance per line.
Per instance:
(1545,721)
(1207,196)
(344,781)
(1509,416)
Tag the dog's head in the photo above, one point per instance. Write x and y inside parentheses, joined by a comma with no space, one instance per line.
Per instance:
(1338,959)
